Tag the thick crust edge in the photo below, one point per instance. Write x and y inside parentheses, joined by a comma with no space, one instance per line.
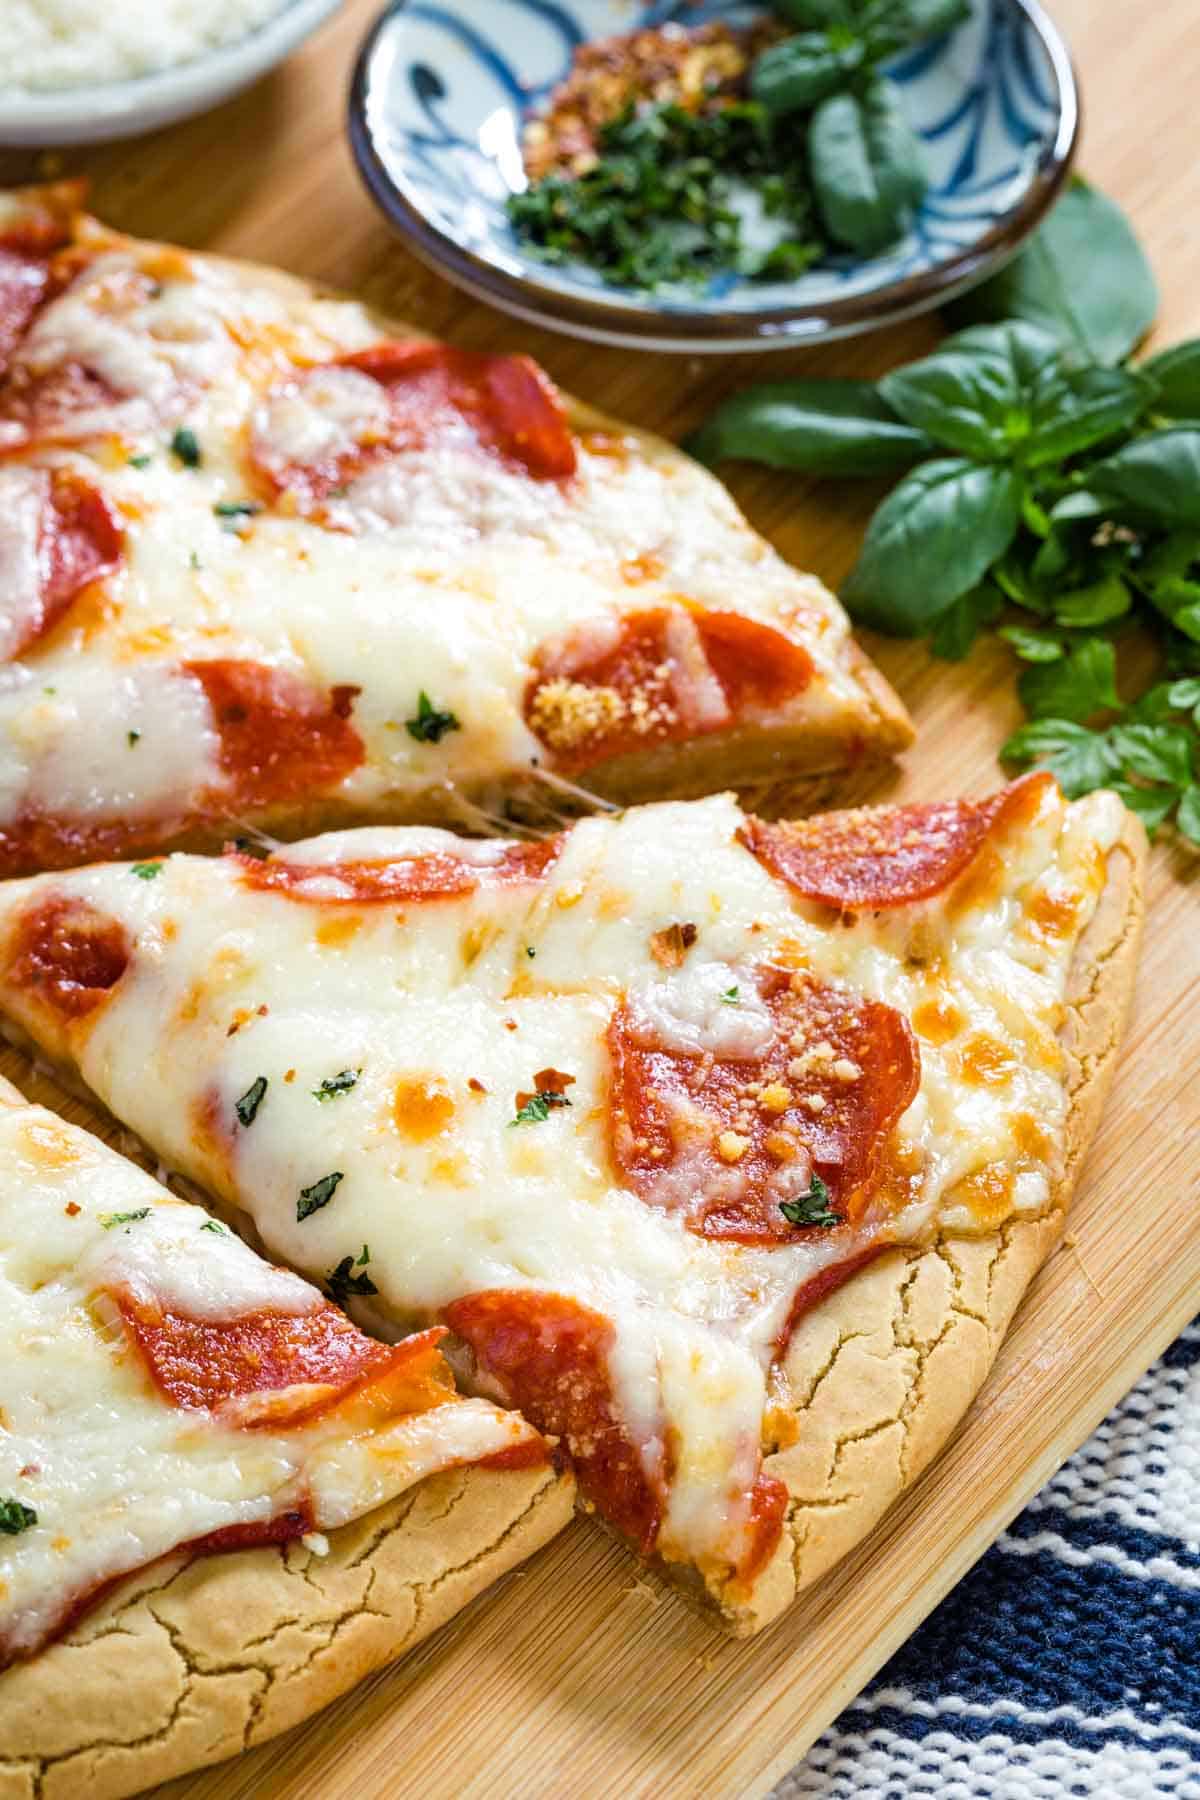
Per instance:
(199,1657)
(888,1365)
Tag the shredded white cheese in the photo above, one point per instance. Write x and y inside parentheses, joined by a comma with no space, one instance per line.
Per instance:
(50,44)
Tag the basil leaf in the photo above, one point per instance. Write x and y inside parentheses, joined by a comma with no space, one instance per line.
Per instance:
(817,427)
(797,73)
(976,393)
(1188,816)
(1151,804)
(1082,276)
(1082,408)
(1033,644)
(934,538)
(816,15)
(1156,476)
(1074,687)
(921,19)
(867,167)
(1176,374)
(1096,604)
(1155,752)
(1082,760)
(960,624)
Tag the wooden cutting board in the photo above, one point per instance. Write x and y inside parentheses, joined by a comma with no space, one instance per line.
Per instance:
(575,1676)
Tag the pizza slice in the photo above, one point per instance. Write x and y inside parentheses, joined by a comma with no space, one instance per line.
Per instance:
(277,562)
(220,1503)
(724,1148)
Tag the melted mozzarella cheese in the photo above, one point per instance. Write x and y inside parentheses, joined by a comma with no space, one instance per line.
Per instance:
(116,744)
(706,1007)
(116,1474)
(327,413)
(150,342)
(441,569)
(23,495)
(161,1260)
(446,1017)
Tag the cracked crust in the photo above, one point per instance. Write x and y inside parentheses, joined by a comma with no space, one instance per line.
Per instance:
(887,1365)
(200,1657)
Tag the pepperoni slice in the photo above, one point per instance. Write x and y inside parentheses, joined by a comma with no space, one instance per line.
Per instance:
(439,875)
(27,245)
(57,534)
(723,1141)
(307,1362)
(549,1356)
(280,737)
(881,856)
(326,425)
(658,676)
(68,955)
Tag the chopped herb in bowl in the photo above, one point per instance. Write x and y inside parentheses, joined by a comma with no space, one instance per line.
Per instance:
(674,156)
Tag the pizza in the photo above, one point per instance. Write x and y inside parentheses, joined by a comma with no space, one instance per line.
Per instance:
(281,564)
(724,1148)
(201,1453)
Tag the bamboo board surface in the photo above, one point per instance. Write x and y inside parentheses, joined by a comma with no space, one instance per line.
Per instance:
(574,1677)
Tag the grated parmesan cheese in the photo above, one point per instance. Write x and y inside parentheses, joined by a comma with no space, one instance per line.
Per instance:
(51,44)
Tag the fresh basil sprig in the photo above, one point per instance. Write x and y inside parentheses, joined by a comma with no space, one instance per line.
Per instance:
(865,161)
(1055,496)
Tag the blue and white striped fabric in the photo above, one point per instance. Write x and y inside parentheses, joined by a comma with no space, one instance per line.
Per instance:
(1068,1662)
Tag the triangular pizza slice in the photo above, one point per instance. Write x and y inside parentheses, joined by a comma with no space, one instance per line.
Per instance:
(275,560)
(724,1148)
(208,1471)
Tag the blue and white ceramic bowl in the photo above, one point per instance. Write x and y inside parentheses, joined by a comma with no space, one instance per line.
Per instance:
(443,88)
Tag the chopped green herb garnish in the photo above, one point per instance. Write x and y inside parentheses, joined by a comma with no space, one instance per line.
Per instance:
(732,995)
(333,1085)
(247,1107)
(146,871)
(530,951)
(235,515)
(538,1106)
(15,1517)
(810,1208)
(132,738)
(364,1256)
(140,462)
(342,1283)
(430,725)
(216,1225)
(313,1198)
(108,1220)
(49,690)
(668,198)
(184,445)
(193,560)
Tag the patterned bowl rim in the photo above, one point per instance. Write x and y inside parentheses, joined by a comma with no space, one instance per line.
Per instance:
(699,329)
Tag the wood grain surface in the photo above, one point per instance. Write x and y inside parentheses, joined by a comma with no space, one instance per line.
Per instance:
(576,1676)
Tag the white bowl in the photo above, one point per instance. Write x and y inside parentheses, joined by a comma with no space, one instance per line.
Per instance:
(117,109)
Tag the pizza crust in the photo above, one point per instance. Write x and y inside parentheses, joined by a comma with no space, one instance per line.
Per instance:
(889,1363)
(200,1657)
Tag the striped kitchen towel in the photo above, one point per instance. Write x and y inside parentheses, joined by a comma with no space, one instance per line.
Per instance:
(1067,1663)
